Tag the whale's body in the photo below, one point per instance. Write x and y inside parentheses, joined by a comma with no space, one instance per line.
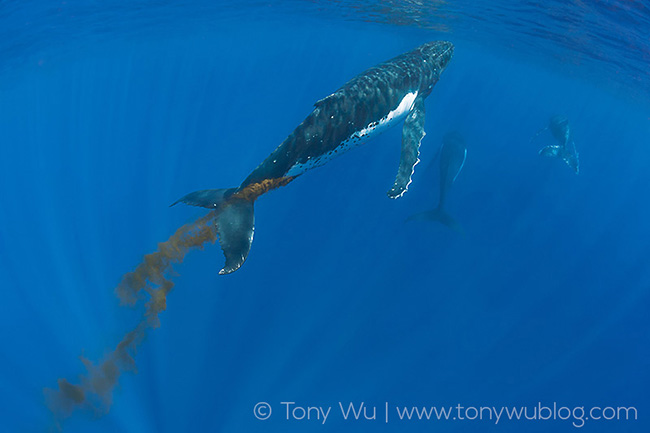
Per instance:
(452,160)
(566,147)
(453,154)
(367,105)
(364,107)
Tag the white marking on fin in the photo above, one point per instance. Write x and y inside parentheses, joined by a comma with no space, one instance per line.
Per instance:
(401,111)
(461,166)
(417,161)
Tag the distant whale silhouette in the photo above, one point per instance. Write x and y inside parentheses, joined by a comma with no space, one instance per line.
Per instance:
(566,150)
(452,160)
(364,107)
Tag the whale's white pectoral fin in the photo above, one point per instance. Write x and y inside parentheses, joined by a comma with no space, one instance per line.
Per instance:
(412,135)
(462,164)
(570,158)
(572,161)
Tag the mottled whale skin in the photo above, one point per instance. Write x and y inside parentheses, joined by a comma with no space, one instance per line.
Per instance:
(453,154)
(354,113)
(566,149)
(367,105)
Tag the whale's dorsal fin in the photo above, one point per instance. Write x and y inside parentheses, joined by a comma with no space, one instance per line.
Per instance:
(325,99)
(412,135)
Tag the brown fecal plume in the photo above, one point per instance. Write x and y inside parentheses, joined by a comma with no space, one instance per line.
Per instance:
(254,190)
(149,280)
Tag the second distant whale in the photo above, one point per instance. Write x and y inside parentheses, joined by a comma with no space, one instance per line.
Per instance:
(367,105)
(566,149)
(453,154)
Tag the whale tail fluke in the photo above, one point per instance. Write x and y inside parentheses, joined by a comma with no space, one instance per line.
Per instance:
(234,222)
(208,198)
(439,214)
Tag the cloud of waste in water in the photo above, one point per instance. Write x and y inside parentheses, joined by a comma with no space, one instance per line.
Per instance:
(148,282)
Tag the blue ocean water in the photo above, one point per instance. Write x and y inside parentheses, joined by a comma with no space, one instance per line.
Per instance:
(110,111)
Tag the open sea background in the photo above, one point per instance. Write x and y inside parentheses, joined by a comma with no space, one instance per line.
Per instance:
(111,110)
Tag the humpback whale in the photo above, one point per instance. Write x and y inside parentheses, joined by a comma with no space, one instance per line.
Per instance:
(452,160)
(566,150)
(365,106)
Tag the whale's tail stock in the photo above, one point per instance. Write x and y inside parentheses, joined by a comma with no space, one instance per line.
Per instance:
(234,216)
